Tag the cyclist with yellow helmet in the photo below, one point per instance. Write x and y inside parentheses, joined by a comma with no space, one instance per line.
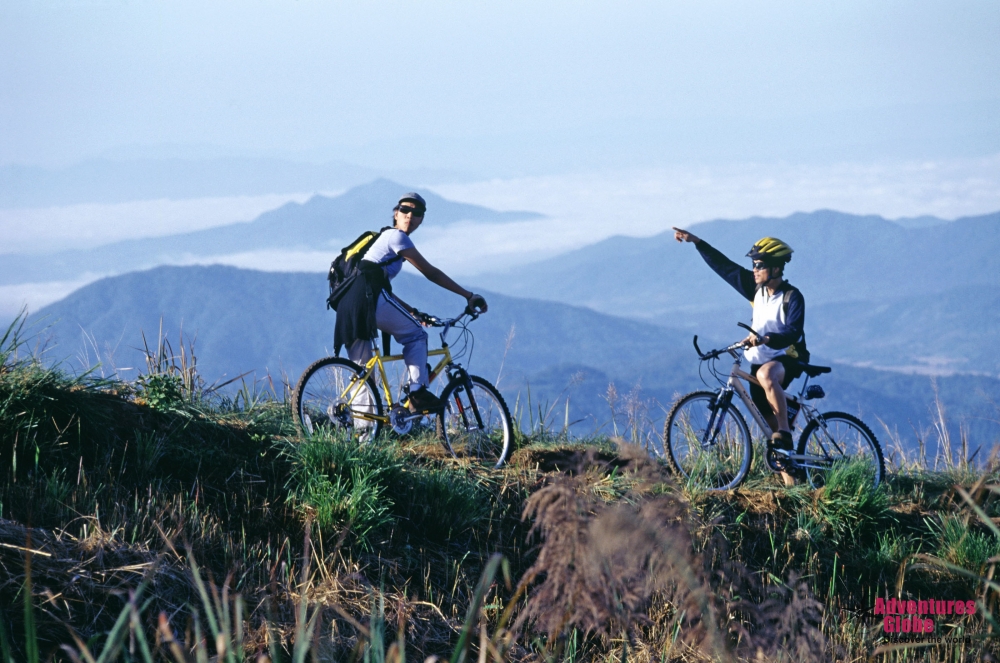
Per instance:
(779,310)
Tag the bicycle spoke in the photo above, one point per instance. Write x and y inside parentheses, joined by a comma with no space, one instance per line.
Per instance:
(475,423)
(332,397)
(708,446)
(838,438)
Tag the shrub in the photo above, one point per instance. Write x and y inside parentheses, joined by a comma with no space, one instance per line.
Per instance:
(847,507)
(960,545)
(337,482)
(369,487)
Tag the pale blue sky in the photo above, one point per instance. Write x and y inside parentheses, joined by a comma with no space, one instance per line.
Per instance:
(504,88)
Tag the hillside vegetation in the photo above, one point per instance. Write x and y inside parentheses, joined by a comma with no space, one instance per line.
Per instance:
(158,520)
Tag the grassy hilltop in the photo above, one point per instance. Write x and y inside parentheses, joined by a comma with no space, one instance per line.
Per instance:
(160,521)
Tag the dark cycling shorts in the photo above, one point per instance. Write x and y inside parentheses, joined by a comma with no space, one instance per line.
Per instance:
(793,369)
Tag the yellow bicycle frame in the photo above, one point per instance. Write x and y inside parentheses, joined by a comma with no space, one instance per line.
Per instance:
(378,361)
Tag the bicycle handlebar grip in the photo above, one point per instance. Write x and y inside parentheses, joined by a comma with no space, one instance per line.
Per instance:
(748,328)
(471,312)
(696,348)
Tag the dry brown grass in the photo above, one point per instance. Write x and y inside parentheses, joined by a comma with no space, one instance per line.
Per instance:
(628,569)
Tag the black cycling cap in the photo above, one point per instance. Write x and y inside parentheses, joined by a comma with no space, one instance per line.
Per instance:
(413,197)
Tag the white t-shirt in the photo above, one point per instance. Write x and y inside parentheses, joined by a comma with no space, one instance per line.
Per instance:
(768,318)
(388,246)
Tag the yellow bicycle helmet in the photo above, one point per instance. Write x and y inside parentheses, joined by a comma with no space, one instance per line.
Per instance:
(771,250)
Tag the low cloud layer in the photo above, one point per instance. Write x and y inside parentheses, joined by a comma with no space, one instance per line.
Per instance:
(645,202)
(86,225)
(581,208)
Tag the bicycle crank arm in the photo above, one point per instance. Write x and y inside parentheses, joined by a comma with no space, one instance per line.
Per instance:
(812,462)
(799,459)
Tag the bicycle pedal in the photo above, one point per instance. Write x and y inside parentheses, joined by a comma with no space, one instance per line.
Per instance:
(778,459)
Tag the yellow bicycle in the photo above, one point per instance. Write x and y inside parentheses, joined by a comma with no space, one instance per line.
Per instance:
(338,394)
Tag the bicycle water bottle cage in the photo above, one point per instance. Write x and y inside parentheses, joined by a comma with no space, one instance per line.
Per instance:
(814,391)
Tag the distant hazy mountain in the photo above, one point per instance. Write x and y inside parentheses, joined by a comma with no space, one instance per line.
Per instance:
(875,291)
(920,221)
(276,323)
(953,330)
(116,181)
(321,223)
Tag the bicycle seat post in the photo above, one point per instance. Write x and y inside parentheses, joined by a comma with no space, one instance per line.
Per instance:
(802,391)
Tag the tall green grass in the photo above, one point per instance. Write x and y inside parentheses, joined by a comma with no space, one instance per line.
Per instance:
(372,488)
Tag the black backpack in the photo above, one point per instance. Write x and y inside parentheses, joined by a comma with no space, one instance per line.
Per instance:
(796,350)
(347,266)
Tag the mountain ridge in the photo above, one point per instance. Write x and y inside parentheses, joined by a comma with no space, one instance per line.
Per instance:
(276,322)
(321,222)
(967,247)
(935,287)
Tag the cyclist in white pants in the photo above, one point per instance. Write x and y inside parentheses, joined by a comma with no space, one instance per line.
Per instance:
(392,314)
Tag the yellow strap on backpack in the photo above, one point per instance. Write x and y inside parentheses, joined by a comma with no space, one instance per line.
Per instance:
(363,244)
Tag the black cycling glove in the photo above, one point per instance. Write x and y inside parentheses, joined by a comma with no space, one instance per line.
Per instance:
(476,302)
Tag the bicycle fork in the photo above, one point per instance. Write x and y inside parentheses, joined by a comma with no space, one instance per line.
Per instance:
(718,416)
(460,375)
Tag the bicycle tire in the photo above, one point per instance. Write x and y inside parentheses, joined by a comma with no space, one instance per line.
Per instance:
(479,427)
(317,404)
(848,437)
(723,465)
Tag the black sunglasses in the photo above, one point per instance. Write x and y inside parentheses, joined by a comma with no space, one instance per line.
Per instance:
(410,209)
(760,265)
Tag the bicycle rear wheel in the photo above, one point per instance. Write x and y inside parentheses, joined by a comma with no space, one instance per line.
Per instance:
(475,422)
(330,396)
(835,438)
(706,444)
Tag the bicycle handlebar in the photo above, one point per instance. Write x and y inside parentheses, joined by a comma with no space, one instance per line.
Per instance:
(748,328)
(712,354)
(434,321)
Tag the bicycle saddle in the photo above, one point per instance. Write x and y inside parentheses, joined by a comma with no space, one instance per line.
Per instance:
(812,371)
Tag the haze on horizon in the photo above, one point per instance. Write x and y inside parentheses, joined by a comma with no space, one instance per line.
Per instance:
(609,118)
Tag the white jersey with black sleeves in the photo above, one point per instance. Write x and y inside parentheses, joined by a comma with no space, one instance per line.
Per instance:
(768,318)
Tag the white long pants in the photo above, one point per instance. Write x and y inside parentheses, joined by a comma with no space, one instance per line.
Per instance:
(390,316)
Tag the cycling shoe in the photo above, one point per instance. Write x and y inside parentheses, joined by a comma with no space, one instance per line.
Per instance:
(422,400)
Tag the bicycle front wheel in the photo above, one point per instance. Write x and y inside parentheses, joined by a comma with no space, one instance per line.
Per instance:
(475,421)
(707,444)
(331,396)
(838,438)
